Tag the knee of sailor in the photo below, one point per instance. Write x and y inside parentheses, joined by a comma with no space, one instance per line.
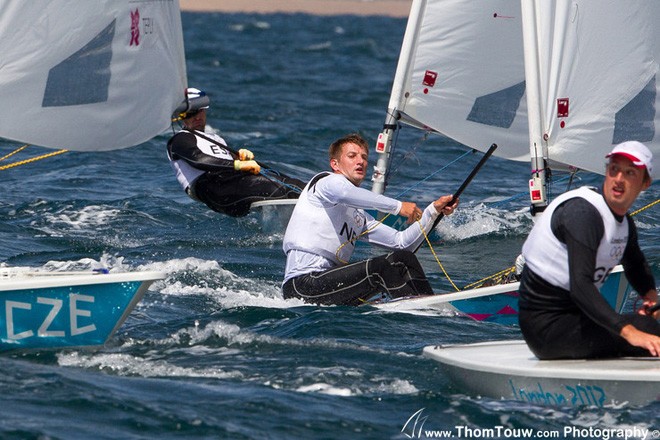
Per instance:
(401,256)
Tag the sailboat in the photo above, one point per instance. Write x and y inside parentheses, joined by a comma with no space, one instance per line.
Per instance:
(555,84)
(85,76)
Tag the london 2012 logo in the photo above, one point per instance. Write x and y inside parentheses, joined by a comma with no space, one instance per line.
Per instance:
(135,28)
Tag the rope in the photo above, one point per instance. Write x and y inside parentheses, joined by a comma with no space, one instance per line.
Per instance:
(353,240)
(502,275)
(426,237)
(437,260)
(14,152)
(271,175)
(433,174)
(26,161)
(645,207)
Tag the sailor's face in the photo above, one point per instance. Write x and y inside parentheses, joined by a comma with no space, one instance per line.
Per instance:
(352,163)
(196,121)
(623,183)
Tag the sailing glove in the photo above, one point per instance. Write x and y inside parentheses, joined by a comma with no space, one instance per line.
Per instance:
(245,154)
(249,166)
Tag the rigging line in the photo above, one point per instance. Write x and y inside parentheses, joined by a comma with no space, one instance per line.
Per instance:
(269,174)
(437,260)
(230,149)
(426,237)
(465,183)
(521,194)
(406,155)
(507,271)
(33,159)
(19,149)
(645,207)
(410,188)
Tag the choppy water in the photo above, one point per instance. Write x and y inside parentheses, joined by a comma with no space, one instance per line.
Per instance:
(213,351)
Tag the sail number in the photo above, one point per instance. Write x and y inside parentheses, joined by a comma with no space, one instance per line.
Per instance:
(47,318)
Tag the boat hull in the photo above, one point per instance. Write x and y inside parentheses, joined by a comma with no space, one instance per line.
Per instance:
(272,215)
(508,370)
(73,310)
(497,303)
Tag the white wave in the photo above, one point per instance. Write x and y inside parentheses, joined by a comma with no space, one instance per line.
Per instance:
(105,262)
(319,46)
(397,386)
(257,24)
(324,388)
(374,386)
(210,279)
(126,364)
(89,217)
(469,222)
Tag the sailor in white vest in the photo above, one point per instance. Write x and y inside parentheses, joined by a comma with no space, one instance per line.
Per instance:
(227,181)
(568,255)
(330,216)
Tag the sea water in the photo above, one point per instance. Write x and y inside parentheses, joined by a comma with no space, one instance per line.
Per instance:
(213,351)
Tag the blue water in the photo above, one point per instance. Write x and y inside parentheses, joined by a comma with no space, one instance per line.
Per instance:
(213,351)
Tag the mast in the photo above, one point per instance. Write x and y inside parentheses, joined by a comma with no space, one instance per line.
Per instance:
(397,96)
(538,148)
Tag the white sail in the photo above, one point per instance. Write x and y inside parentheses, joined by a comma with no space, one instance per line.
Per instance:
(89,75)
(596,72)
(579,78)
(461,73)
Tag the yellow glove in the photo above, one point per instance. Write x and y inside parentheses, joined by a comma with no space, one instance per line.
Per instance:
(248,166)
(244,154)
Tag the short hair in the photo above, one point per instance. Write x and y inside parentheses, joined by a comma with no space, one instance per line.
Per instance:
(336,147)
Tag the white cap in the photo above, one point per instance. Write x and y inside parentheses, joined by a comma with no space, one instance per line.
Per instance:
(194,101)
(637,152)
(194,94)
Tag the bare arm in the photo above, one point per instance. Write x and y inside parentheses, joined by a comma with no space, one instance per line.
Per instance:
(641,339)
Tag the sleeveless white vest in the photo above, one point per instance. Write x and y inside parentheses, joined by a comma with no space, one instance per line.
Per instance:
(547,256)
(323,230)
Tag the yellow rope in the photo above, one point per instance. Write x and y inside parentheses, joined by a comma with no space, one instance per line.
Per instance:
(426,237)
(503,273)
(33,159)
(645,207)
(14,152)
(437,260)
(356,239)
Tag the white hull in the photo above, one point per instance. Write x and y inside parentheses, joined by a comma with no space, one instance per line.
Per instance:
(508,370)
(273,215)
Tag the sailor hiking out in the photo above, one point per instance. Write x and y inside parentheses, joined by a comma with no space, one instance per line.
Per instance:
(328,219)
(227,181)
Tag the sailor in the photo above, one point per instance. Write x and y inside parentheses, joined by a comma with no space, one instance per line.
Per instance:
(568,255)
(227,181)
(328,219)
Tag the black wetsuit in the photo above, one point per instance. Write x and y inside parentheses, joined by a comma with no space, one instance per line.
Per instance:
(221,187)
(579,323)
